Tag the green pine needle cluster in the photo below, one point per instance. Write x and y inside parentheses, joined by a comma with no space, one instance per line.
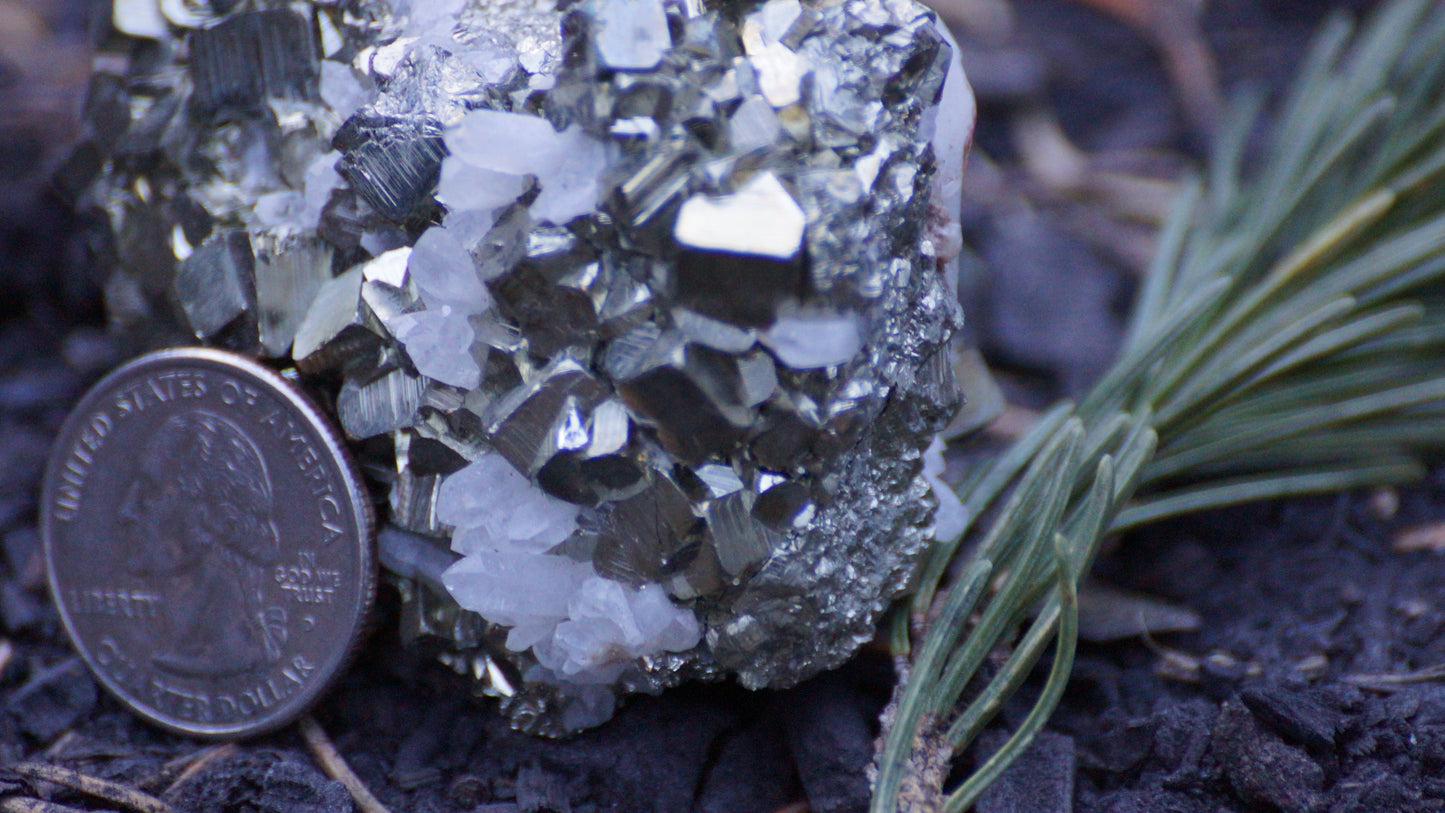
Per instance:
(1289,339)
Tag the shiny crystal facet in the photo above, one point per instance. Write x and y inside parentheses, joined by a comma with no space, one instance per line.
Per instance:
(385,405)
(251,56)
(290,270)
(216,283)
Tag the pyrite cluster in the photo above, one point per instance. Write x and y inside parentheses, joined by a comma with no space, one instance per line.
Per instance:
(637,312)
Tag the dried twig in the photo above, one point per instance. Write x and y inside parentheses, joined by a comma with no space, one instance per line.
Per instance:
(113,792)
(335,766)
(1395,681)
(18,804)
(58,747)
(193,764)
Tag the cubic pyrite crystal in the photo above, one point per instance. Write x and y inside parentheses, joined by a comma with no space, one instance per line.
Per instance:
(637,313)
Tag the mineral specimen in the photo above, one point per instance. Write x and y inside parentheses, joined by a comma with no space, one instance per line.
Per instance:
(637,312)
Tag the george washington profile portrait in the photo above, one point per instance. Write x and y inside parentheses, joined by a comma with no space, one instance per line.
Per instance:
(197,523)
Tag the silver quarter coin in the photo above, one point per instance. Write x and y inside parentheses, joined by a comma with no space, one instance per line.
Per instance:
(209,542)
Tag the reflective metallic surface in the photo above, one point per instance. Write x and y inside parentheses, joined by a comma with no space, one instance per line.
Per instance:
(208,542)
(636,311)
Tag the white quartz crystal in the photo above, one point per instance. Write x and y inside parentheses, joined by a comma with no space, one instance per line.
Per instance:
(609,624)
(771,22)
(631,34)
(754,125)
(811,339)
(951,121)
(567,165)
(439,342)
(278,209)
(139,18)
(445,274)
(433,19)
(320,181)
(582,627)
(952,516)
(341,90)
(495,507)
(464,187)
(516,589)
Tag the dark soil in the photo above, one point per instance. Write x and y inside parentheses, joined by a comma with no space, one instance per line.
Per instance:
(1313,684)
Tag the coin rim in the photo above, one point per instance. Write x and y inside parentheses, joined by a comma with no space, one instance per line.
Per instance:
(350,473)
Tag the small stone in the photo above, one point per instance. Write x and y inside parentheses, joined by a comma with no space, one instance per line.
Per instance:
(1040,781)
(1260,768)
(830,722)
(1295,715)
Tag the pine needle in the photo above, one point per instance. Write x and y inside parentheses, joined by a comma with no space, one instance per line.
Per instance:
(1288,339)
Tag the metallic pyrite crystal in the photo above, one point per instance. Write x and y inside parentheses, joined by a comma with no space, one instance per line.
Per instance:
(637,313)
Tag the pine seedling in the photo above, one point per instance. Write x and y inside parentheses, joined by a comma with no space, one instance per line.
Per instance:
(1289,339)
